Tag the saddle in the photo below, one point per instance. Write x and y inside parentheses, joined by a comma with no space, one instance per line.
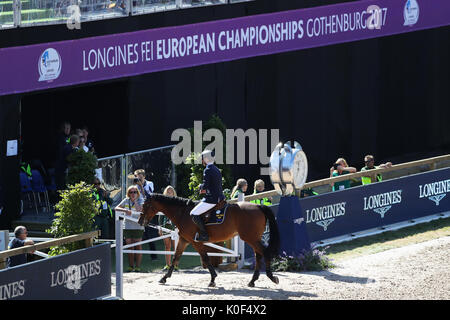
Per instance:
(215,215)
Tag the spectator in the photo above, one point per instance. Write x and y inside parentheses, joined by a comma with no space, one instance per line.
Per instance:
(104,213)
(239,190)
(166,223)
(258,188)
(132,206)
(89,142)
(19,241)
(340,168)
(146,188)
(63,138)
(369,160)
(61,165)
(82,145)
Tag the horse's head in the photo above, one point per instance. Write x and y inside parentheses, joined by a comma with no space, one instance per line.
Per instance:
(148,212)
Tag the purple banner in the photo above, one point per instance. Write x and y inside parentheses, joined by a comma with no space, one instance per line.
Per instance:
(65,63)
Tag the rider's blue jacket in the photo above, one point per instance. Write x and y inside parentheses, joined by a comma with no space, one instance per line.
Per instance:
(212,183)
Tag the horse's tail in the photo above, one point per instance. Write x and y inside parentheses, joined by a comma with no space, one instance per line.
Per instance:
(273,248)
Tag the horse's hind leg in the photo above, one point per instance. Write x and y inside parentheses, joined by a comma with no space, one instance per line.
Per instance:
(182,244)
(257,268)
(269,271)
(258,249)
(259,253)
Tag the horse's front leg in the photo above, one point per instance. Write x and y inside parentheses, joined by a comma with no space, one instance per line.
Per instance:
(182,244)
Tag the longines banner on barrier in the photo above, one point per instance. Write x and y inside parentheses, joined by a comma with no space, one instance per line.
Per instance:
(80,275)
(64,63)
(360,208)
(375,205)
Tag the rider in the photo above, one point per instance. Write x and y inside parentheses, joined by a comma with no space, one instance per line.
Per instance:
(212,188)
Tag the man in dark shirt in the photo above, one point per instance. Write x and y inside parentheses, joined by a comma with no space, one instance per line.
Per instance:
(61,165)
(19,241)
(89,142)
(63,138)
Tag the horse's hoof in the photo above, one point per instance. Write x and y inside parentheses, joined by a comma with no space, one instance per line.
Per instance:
(212,284)
(162,281)
(275,280)
(251,284)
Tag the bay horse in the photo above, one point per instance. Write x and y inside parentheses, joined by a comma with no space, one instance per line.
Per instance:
(248,220)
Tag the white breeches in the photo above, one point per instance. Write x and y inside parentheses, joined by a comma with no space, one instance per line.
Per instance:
(202,207)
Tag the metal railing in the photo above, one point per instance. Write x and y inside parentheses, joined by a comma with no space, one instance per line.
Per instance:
(117,171)
(23,13)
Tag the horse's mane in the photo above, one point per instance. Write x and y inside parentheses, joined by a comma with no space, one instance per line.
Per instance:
(177,201)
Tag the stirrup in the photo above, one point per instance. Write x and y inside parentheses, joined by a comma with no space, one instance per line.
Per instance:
(201,238)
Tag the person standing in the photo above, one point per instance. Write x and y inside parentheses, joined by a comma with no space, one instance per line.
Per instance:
(82,144)
(166,223)
(19,241)
(146,188)
(369,160)
(63,138)
(239,189)
(89,143)
(258,188)
(104,213)
(61,165)
(340,168)
(133,231)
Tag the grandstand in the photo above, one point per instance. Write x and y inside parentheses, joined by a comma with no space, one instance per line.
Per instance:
(41,12)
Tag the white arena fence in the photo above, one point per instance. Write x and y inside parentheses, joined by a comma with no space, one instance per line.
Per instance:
(237,250)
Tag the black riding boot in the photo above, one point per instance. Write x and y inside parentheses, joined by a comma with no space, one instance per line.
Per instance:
(203,235)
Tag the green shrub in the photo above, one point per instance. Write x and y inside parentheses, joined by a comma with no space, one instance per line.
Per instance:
(82,167)
(190,174)
(75,214)
(309,260)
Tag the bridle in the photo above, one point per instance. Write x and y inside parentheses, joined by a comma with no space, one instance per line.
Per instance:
(147,206)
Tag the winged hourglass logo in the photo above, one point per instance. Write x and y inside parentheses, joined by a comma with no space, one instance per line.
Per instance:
(382,210)
(325,223)
(437,198)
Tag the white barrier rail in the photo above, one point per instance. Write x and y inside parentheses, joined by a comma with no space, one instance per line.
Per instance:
(236,252)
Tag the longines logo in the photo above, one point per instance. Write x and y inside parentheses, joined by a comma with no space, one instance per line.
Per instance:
(435,191)
(74,276)
(12,290)
(382,203)
(324,216)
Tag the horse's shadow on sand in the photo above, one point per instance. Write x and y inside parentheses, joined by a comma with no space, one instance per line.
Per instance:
(247,292)
(264,292)
(244,291)
(328,275)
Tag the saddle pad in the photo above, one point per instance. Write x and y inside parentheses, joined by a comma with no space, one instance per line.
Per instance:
(217,216)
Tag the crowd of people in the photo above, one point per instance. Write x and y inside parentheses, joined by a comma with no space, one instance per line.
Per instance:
(69,141)
(341,167)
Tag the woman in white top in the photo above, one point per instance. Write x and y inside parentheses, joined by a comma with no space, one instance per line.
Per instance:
(132,206)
